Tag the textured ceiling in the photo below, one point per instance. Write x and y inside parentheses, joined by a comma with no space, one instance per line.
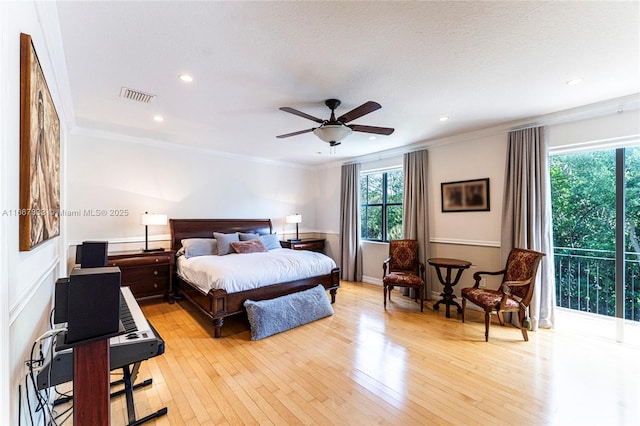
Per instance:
(480,63)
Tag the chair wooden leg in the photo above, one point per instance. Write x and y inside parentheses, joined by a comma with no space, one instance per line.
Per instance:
(521,314)
(385,295)
(464,307)
(500,317)
(487,321)
(421,291)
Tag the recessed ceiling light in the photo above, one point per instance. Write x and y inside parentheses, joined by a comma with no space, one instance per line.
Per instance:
(158,118)
(575,81)
(444,118)
(372,138)
(185,77)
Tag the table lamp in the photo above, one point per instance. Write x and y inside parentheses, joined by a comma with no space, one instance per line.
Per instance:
(147,219)
(294,218)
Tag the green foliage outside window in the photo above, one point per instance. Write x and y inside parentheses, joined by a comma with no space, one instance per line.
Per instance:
(584,230)
(381,205)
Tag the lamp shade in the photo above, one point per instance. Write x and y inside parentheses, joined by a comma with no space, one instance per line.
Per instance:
(153,219)
(332,132)
(293,218)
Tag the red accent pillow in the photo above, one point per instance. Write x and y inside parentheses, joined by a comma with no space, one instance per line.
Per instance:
(249,246)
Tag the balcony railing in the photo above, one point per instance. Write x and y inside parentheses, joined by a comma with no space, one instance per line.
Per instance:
(585,281)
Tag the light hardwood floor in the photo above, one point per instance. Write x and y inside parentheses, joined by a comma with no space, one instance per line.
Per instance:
(365,366)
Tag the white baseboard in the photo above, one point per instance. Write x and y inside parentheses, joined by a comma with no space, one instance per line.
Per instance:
(372,280)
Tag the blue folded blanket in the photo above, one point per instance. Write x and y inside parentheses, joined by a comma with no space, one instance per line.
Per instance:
(268,317)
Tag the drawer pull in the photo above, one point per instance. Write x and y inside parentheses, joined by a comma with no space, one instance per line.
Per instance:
(155,272)
(155,285)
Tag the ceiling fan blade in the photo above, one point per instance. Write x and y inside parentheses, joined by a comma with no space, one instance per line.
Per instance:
(294,133)
(372,129)
(301,114)
(363,109)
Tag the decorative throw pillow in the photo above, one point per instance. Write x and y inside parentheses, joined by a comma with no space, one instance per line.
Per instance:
(246,236)
(268,317)
(224,242)
(270,241)
(198,247)
(249,246)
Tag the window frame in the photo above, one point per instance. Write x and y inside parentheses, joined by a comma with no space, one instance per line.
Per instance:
(384,205)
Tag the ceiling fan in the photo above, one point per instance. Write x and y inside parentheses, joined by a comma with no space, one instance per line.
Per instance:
(334,130)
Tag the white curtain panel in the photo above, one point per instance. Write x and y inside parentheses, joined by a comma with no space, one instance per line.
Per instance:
(415,213)
(526,214)
(350,245)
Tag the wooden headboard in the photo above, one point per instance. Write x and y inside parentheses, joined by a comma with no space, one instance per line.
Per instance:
(204,228)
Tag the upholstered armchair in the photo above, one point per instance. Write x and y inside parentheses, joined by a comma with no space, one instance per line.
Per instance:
(513,295)
(403,269)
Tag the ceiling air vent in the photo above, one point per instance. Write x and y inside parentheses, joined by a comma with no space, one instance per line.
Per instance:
(136,95)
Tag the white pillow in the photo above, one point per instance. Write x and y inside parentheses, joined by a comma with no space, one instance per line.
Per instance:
(224,242)
(199,247)
(270,241)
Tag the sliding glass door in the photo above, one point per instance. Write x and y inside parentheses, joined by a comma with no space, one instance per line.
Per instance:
(596,214)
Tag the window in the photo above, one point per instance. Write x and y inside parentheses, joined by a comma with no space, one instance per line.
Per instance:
(596,270)
(381,205)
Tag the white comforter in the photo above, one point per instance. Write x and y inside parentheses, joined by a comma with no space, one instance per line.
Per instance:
(238,272)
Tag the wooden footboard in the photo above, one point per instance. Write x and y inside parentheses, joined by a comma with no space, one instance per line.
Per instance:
(218,304)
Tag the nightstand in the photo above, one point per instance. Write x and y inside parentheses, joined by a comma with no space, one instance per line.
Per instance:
(148,274)
(313,244)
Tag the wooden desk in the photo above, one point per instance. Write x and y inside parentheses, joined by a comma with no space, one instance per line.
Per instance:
(447,295)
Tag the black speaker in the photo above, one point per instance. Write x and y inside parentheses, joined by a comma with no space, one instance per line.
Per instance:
(93,304)
(92,254)
(61,303)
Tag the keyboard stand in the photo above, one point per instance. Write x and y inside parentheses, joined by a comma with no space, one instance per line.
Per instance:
(129,376)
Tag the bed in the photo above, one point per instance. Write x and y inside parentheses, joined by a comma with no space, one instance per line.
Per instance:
(219,303)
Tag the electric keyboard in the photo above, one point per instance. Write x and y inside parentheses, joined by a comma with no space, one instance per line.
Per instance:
(139,342)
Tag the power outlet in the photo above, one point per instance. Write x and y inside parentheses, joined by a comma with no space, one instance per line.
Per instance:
(483,282)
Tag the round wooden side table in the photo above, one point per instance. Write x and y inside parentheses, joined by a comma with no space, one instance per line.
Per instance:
(447,295)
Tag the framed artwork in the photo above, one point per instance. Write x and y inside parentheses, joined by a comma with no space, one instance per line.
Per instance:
(39,214)
(465,195)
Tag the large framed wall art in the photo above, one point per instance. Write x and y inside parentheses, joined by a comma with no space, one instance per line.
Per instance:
(39,213)
(465,195)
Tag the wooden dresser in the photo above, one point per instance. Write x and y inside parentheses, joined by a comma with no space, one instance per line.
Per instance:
(313,244)
(148,274)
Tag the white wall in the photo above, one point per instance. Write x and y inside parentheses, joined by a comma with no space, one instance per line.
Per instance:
(474,157)
(26,278)
(121,175)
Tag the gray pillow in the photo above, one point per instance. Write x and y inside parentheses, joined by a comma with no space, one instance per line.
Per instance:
(268,317)
(246,236)
(224,242)
(270,241)
(198,247)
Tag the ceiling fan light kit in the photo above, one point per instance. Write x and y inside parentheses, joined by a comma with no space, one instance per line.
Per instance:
(332,133)
(334,130)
